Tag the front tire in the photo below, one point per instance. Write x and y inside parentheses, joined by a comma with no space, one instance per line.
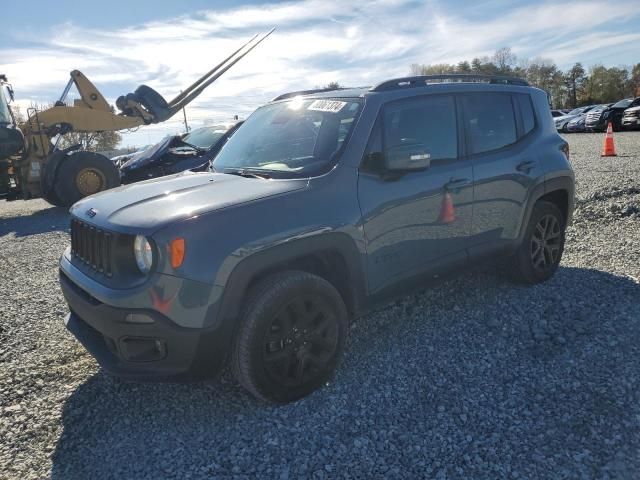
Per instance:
(291,336)
(538,256)
(82,174)
(53,199)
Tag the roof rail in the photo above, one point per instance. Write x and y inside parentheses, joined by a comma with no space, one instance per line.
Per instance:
(422,80)
(305,92)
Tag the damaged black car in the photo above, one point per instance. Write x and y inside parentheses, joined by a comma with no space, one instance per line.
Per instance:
(191,151)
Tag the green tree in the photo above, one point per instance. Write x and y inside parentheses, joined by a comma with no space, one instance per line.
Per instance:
(434,69)
(476,65)
(463,67)
(574,81)
(634,81)
(567,89)
(606,85)
(544,74)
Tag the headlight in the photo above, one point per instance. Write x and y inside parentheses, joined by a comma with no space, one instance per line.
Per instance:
(143,253)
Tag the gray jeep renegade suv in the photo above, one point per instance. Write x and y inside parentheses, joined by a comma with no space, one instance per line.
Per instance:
(320,207)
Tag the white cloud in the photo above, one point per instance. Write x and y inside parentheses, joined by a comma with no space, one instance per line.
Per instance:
(317,41)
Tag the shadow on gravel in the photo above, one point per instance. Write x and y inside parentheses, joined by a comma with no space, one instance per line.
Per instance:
(458,381)
(52,219)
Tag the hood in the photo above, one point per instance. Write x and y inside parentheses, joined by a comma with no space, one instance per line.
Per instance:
(146,156)
(145,207)
(579,118)
(565,118)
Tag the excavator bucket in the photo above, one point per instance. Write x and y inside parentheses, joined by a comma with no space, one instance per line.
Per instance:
(145,102)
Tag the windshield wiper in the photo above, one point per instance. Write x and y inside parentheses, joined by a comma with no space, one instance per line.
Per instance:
(247,172)
(195,147)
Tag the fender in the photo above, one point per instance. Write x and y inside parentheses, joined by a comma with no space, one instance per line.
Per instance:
(275,257)
(567,184)
(53,163)
(564,183)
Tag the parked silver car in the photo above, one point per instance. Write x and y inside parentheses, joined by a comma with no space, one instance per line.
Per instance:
(563,121)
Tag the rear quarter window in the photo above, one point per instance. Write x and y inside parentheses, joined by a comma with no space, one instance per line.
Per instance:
(526,111)
(489,121)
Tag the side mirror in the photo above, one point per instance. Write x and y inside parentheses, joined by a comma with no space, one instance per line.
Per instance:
(404,158)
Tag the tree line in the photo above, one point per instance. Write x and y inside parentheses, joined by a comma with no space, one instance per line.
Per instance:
(568,89)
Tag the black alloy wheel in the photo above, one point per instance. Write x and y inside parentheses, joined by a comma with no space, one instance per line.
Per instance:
(291,336)
(538,256)
(546,242)
(301,341)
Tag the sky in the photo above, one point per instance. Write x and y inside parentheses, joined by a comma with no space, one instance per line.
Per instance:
(167,45)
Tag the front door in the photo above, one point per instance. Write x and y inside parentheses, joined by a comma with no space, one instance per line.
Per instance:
(419,220)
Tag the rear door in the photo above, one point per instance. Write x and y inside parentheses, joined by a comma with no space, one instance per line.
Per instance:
(420,220)
(500,130)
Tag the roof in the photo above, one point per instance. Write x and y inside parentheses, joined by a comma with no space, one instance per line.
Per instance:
(324,93)
(344,93)
(410,83)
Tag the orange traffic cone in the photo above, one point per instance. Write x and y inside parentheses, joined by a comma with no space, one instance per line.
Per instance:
(608,149)
(447,212)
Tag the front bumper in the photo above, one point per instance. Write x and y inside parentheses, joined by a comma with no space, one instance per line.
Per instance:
(630,121)
(160,350)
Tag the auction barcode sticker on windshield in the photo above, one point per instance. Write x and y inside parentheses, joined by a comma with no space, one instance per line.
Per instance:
(333,106)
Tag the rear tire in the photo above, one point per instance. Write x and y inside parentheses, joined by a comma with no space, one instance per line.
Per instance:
(538,256)
(290,338)
(82,174)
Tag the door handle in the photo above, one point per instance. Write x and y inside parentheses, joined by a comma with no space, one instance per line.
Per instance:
(456,183)
(526,166)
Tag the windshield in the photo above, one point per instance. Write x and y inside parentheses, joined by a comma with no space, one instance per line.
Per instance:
(5,116)
(576,111)
(206,137)
(293,138)
(623,103)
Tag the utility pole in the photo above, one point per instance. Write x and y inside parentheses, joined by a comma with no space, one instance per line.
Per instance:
(186,125)
(184,113)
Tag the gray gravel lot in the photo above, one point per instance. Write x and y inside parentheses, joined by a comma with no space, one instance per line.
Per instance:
(473,378)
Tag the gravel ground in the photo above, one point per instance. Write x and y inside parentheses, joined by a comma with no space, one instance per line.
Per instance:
(473,378)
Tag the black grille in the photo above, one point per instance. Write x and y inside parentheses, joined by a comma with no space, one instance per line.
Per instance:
(93,246)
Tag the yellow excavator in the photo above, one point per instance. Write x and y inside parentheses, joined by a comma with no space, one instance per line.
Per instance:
(32,166)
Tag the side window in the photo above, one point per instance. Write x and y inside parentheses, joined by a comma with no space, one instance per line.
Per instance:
(489,121)
(526,110)
(430,121)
